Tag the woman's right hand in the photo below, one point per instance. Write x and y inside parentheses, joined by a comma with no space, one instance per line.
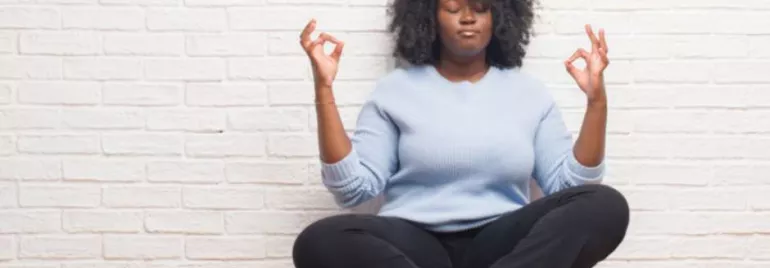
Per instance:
(324,66)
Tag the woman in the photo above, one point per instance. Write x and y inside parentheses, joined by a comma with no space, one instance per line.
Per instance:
(452,140)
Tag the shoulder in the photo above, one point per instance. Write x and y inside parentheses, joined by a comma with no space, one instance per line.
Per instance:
(532,87)
(397,82)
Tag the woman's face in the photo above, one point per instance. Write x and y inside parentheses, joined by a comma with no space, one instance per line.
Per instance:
(465,26)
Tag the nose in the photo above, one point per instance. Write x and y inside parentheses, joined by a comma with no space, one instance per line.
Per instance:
(468,16)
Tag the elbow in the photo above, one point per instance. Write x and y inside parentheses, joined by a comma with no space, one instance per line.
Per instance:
(354,191)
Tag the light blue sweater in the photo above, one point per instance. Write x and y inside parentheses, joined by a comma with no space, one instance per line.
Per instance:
(456,155)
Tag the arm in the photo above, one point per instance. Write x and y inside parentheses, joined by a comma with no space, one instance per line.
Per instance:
(354,170)
(559,163)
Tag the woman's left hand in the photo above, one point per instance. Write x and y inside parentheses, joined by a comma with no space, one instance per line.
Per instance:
(591,79)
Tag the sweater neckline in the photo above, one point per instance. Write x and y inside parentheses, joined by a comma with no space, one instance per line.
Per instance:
(491,72)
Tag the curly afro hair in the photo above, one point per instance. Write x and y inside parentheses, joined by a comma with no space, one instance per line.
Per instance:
(414,24)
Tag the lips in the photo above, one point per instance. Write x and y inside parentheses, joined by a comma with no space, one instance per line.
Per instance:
(468,33)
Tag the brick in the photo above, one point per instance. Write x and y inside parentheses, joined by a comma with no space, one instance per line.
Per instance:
(741,72)
(59,144)
(235,44)
(60,93)
(272,119)
(552,71)
(300,145)
(225,145)
(739,174)
(196,120)
(291,17)
(102,68)
(292,93)
(7,247)
(30,265)
(8,196)
(142,94)
(223,198)
(5,93)
(286,43)
(60,43)
(759,46)
(348,115)
(283,68)
(659,173)
(187,222)
(140,247)
(363,68)
(142,2)
(707,199)
(179,19)
(29,221)
(266,172)
(686,71)
(223,3)
(142,144)
(264,222)
(103,18)
(30,67)
(144,44)
(24,169)
(105,170)
(569,22)
(8,42)
(102,118)
(225,248)
(7,145)
(688,147)
(709,247)
(136,196)
(640,248)
(59,195)
(29,118)
(185,171)
(217,94)
(185,69)
(711,47)
(60,247)
(306,2)
(298,198)
(280,246)
(28,17)
(102,221)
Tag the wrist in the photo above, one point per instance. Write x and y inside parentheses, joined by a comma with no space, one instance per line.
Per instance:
(597,102)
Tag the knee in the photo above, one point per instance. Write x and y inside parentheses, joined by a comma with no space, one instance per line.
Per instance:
(609,205)
(311,240)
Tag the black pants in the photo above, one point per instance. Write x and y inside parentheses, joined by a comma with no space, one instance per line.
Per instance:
(577,227)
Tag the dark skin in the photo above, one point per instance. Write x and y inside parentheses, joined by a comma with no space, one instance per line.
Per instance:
(466,29)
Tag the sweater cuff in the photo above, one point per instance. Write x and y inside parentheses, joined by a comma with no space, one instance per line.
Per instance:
(341,170)
(584,174)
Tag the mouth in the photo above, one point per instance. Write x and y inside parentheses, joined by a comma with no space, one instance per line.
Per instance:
(468,33)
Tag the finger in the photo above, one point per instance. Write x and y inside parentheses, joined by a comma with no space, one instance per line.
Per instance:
(603,41)
(330,38)
(592,36)
(579,53)
(304,37)
(337,53)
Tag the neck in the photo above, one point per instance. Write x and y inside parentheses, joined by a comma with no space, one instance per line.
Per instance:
(471,68)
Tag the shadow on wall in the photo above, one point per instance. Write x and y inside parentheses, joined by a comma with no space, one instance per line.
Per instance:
(374,205)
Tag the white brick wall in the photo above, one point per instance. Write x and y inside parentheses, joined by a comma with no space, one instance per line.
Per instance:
(181,133)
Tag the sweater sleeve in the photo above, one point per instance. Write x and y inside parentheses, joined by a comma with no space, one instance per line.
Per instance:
(364,172)
(556,167)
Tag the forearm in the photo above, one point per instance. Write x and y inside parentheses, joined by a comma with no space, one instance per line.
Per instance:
(333,141)
(590,145)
